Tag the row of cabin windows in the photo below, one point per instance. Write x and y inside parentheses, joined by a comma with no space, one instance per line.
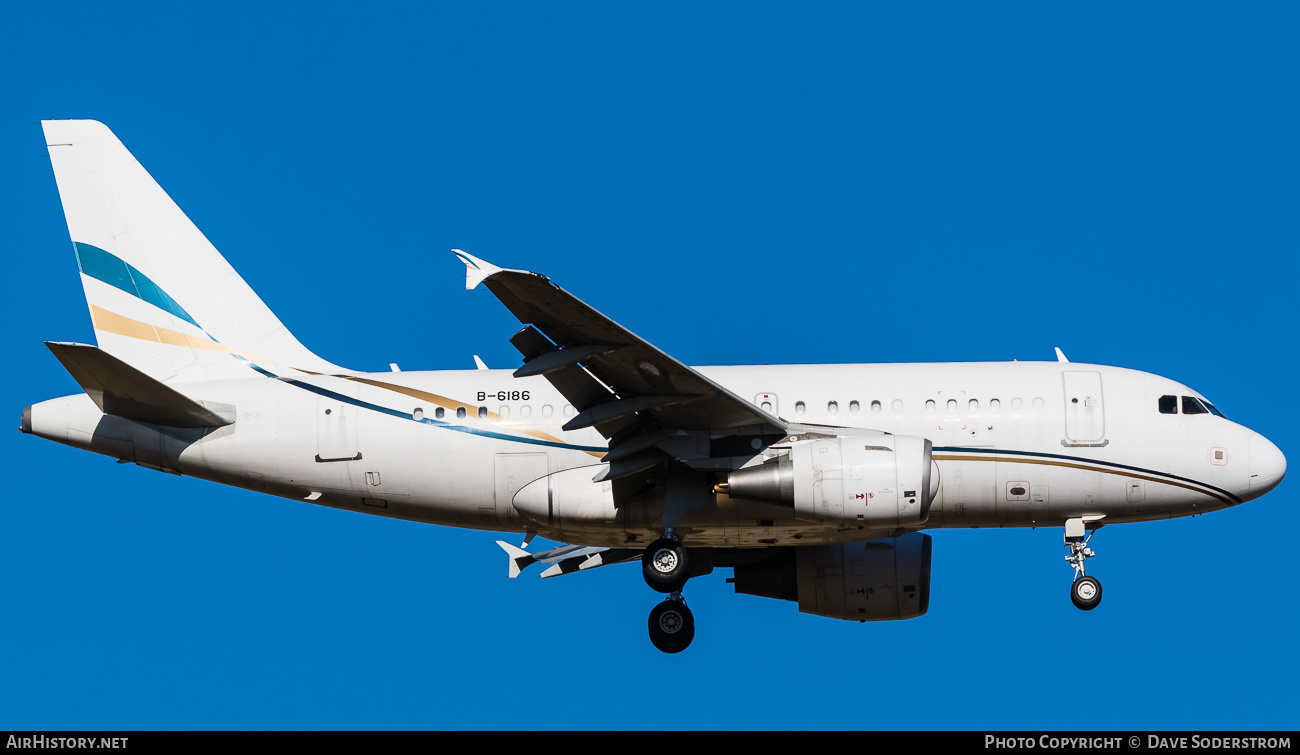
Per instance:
(504,411)
(833,407)
(1191,405)
(1167,405)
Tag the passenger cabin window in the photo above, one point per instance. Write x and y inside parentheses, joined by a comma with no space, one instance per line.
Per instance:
(1168,404)
(799,407)
(460,412)
(439,412)
(1193,406)
(482,412)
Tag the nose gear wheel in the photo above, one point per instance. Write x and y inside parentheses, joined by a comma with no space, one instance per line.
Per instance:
(1086,593)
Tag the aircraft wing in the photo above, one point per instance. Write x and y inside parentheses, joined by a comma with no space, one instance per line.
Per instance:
(636,395)
(567,559)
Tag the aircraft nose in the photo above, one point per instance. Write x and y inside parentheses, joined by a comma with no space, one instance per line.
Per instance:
(1267,465)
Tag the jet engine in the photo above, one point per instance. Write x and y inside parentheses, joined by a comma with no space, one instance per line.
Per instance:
(879,580)
(867,481)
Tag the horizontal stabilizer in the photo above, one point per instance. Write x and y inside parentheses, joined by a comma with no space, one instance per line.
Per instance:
(121,390)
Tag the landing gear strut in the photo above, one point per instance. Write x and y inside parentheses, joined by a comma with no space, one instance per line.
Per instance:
(672,627)
(1085,593)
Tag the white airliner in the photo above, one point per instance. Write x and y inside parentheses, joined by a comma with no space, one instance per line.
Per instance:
(812,482)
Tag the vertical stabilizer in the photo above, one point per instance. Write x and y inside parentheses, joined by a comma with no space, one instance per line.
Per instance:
(161,297)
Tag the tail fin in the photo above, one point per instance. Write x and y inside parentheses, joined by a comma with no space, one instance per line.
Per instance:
(162,298)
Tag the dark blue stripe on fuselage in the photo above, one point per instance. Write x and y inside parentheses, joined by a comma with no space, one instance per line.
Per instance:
(1063,457)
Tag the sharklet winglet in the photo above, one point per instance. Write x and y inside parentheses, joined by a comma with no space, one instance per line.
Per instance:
(475,269)
(516,555)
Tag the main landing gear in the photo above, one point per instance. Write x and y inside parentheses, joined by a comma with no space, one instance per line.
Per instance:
(1085,593)
(665,566)
(672,627)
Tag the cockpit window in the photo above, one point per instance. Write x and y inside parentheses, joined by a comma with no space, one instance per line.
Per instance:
(1193,405)
(1168,404)
(1213,409)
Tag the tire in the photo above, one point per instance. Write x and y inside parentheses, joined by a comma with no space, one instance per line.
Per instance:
(1086,593)
(664,565)
(672,627)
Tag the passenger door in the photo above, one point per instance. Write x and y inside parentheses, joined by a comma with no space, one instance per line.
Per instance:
(1085,417)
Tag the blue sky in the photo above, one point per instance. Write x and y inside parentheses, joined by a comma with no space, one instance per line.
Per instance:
(741,183)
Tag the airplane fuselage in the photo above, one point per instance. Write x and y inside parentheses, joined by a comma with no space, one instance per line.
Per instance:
(1016,444)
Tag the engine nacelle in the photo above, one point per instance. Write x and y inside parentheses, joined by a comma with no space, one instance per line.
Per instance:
(879,580)
(868,481)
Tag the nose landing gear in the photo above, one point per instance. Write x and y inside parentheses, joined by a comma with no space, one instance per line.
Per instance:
(1085,593)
